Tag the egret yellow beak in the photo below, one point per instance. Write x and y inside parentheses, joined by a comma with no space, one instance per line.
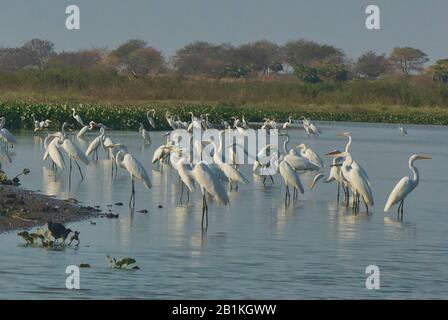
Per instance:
(423,157)
(342,134)
(333,153)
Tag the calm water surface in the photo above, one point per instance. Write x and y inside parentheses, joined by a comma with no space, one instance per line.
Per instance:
(253,249)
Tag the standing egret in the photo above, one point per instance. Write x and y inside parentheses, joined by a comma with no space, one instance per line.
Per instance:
(74,153)
(184,170)
(309,154)
(52,151)
(228,169)
(403,130)
(209,183)
(288,123)
(291,178)
(335,175)
(135,170)
(357,180)
(92,149)
(77,117)
(405,186)
(7,136)
(90,127)
(145,134)
(151,118)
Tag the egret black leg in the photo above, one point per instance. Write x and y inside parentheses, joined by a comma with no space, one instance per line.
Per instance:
(70,172)
(80,171)
(337,197)
(264,180)
(272,179)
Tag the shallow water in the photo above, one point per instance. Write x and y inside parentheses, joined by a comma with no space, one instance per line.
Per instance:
(253,249)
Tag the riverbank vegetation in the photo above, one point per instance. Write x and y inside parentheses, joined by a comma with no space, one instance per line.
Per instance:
(256,79)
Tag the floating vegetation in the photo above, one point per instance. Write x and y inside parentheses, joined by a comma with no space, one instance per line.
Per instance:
(125,263)
(128,117)
(14,181)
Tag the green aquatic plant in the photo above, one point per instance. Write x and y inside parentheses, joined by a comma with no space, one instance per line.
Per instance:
(125,263)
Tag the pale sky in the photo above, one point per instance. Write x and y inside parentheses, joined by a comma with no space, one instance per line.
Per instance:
(170,24)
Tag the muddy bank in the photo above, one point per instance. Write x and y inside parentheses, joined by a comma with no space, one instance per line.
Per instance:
(21,208)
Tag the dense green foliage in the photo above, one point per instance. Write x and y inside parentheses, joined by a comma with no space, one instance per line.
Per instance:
(122,117)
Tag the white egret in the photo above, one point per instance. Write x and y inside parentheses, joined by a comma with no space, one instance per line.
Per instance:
(52,150)
(405,186)
(209,183)
(403,130)
(92,149)
(357,180)
(6,135)
(135,170)
(151,117)
(184,170)
(77,117)
(335,175)
(228,169)
(90,127)
(291,178)
(288,123)
(309,154)
(145,134)
(74,153)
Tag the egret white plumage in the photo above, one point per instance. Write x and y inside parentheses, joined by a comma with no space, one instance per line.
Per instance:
(405,186)
(77,117)
(135,170)
(151,117)
(92,149)
(291,178)
(309,154)
(90,127)
(357,180)
(6,135)
(145,134)
(209,183)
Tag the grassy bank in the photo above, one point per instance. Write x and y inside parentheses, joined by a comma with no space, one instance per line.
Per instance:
(122,116)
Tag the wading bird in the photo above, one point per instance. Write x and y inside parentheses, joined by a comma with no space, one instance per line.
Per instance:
(74,153)
(92,149)
(151,117)
(403,130)
(209,183)
(356,179)
(58,231)
(135,170)
(309,154)
(6,135)
(291,178)
(92,125)
(145,134)
(77,117)
(288,123)
(404,186)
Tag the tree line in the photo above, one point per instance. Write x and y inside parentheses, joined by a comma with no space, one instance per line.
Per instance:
(309,61)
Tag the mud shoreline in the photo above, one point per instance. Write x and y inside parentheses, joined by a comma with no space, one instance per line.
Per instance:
(20,208)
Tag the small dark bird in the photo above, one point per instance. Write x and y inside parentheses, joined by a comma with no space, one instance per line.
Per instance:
(75,237)
(58,231)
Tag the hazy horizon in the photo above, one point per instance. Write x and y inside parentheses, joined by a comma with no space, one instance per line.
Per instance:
(170,24)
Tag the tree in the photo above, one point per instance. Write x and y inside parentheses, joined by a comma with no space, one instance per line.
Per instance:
(124,50)
(307,74)
(440,71)
(79,59)
(332,71)
(144,61)
(17,58)
(260,56)
(202,58)
(42,50)
(304,52)
(408,59)
(370,65)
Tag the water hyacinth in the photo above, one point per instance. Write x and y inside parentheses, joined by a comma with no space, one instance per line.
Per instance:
(19,115)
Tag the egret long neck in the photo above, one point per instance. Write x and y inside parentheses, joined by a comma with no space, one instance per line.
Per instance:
(285,143)
(414,170)
(349,143)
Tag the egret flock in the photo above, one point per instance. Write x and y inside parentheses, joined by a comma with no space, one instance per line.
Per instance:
(216,178)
